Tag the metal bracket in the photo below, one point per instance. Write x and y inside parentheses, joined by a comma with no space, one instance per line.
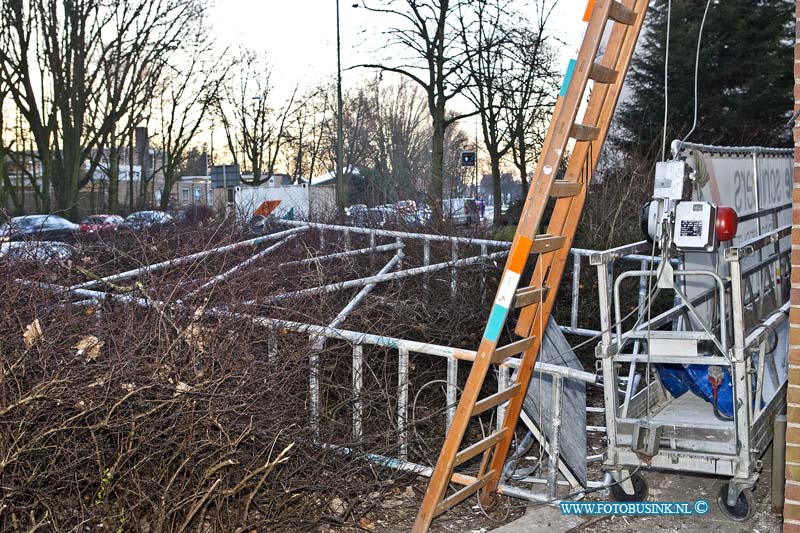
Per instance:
(646,439)
(735,487)
(604,352)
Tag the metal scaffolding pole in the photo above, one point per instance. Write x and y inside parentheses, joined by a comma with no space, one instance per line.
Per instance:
(383,248)
(378,279)
(187,258)
(352,304)
(230,272)
(394,234)
(352,337)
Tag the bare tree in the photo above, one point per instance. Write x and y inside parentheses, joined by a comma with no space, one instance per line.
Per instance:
(307,133)
(401,149)
(511,73)
(428,31)
(7,189)
(256,131)
(59,59)
(488,68)
(187,95)
(532,87)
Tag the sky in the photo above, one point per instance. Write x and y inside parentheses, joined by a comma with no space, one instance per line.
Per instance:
(299,36)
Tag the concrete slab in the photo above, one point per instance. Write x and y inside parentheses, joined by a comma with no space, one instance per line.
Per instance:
(544,519)
(663,487)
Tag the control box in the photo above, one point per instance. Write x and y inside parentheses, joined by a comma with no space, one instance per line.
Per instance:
(694,226)
(672,181)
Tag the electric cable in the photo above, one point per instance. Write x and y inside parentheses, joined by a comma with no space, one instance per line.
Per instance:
(666,81)
(590,490)
(696,71)
(775,337)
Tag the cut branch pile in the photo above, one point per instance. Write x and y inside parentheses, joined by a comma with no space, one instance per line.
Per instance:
(165,418)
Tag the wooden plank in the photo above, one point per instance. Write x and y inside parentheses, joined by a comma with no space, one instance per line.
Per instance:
(565,189)
(582,132)
(529,296)
(463,494)
(546,243)
(602,74)
(481,446)
(517,347)
(495,399)
(622,14)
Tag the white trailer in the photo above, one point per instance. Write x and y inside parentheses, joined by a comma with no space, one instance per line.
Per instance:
(301,202)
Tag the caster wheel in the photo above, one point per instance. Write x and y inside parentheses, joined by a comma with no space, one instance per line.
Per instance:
(639,490)
(744,508)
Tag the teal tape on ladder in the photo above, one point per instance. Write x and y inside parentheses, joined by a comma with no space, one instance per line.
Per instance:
(497,318)
(568,77)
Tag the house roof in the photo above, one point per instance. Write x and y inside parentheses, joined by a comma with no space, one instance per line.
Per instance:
(330,177)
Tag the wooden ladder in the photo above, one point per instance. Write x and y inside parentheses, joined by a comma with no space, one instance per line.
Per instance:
(535,301)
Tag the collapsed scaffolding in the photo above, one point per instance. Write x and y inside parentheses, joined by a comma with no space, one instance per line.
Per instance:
(468,257)
(556,411)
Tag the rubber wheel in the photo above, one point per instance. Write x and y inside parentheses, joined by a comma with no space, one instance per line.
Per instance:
(639,490)
(744,508)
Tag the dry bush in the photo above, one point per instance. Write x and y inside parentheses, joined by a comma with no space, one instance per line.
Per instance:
(176,420)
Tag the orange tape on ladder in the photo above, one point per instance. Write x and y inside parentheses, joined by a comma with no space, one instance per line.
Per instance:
(588,13)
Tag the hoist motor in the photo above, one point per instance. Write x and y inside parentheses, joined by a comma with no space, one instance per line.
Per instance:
(673,218)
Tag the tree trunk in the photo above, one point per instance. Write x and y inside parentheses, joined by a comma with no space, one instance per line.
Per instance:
(130,171)
(497,192)
(46,164)
(437,167)
(113,190)
(522,165)
(66,195)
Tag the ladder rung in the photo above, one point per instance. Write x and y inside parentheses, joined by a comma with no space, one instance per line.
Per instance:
(622,14)
(546,243)
(565,189)
(529,296)
(582,132)
(463,494)
(481,446)
(504,352)
(602,74)
(495,399)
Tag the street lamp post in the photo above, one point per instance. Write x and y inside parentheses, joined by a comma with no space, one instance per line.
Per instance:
(340,189)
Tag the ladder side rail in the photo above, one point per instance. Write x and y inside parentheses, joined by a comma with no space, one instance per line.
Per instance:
(601,107)
(533,210)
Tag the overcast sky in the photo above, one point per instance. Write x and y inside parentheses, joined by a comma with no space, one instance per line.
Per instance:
(299,36)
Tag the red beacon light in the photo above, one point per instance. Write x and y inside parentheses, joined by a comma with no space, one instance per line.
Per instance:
(727,224)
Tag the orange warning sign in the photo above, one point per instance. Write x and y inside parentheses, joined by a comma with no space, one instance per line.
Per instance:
(267,207)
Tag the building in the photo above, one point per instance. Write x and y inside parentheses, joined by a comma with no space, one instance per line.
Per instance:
(191,191)
(138,170)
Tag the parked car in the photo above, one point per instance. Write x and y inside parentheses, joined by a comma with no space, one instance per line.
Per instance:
(377,217)
(100,224)
(40,227)
(406,206)
(412,219)
(355,209)
(39,251)
(146,219)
